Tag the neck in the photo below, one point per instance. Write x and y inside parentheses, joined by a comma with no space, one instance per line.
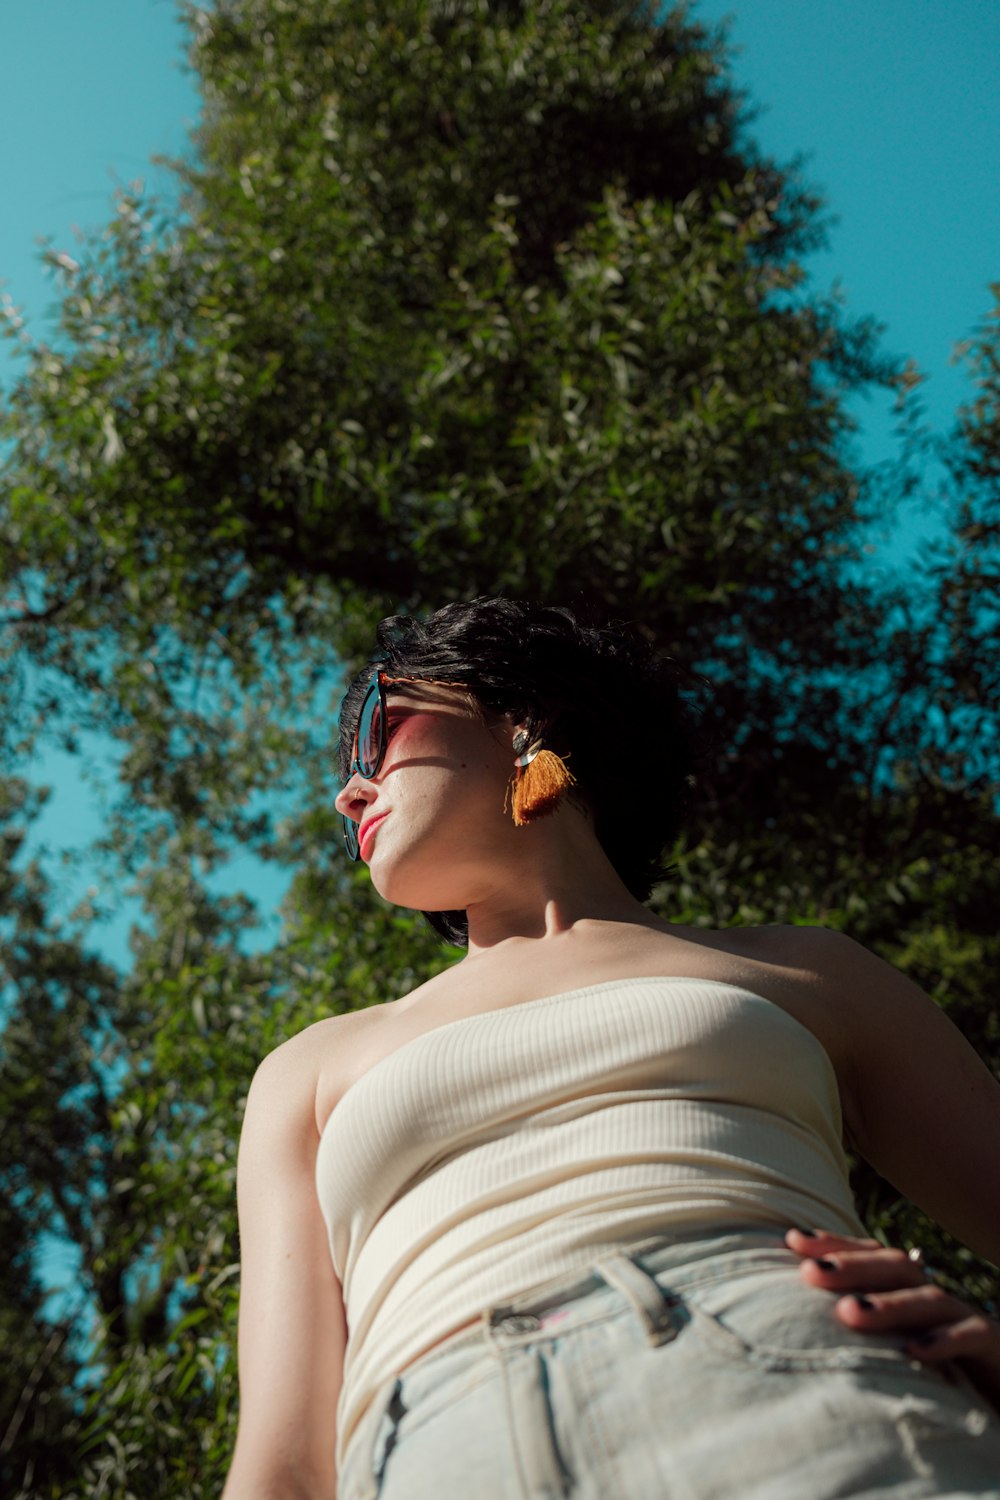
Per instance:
(562,877)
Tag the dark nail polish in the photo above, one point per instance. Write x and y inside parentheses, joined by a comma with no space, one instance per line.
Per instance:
(865,1302)
(827,1265)
(922,1340)
(810,1234)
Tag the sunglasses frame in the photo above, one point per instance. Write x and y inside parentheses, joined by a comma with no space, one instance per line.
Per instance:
(376,690)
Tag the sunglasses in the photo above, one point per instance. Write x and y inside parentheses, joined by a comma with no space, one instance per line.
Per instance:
(371,738)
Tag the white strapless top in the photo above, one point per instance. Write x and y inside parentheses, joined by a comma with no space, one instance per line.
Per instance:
(503,1149)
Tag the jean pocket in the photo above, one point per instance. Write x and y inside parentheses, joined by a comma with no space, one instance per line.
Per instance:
(435,1384)
(774,1320)
(370,1446)
(386,1436)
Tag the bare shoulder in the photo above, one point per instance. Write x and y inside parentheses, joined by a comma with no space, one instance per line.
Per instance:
(290,1080)
(810,952)
(836,968)
(821,962)
(790,964)
(294,1061)
(833,985)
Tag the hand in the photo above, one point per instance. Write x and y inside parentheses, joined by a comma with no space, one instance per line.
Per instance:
(888,1292)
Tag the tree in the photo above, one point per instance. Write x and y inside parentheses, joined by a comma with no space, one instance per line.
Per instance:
(37,1426)
(373,346)
(463,297)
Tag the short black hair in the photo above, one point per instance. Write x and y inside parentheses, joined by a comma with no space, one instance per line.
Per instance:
(603,696)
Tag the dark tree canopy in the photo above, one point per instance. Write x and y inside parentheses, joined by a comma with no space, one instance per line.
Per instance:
(462,297)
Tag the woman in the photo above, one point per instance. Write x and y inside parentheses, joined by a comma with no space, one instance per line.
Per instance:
(525,1231)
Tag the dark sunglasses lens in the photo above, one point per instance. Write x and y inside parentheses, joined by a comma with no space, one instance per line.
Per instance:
(351,837)
(370,733)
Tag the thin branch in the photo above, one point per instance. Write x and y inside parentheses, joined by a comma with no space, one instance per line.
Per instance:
(56,1339)
(28,616)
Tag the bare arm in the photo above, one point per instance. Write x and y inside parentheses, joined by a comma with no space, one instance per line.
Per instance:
(292,1329)
(921,1105)
(925,1111)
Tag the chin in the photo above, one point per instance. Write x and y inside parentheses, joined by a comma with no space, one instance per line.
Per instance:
(419,889)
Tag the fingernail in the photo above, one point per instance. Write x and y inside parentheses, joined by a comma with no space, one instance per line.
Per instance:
(922,1340)
(810,1234)
(865,1302)
(827,1265)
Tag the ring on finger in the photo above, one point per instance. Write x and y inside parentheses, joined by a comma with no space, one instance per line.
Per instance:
(916,1255)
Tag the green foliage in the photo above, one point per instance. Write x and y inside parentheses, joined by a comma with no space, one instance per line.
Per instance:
(462,297)
(383,355)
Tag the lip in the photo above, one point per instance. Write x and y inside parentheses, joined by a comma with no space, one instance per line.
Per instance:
(368,827)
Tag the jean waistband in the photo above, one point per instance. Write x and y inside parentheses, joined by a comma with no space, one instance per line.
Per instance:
(652,1276)
(691,1262)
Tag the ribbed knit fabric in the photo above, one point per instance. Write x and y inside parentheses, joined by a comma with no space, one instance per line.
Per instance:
(503,1149)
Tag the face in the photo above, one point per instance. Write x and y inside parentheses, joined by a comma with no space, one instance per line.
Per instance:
(432,825)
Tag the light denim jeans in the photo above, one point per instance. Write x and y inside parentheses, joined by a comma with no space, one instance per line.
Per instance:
(688,1370)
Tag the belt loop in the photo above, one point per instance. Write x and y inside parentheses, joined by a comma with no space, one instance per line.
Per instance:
(658,1309)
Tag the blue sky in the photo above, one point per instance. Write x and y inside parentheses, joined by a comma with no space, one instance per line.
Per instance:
(894,103)
(90,93)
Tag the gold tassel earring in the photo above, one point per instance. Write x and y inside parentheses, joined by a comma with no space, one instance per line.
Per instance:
(539,781)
